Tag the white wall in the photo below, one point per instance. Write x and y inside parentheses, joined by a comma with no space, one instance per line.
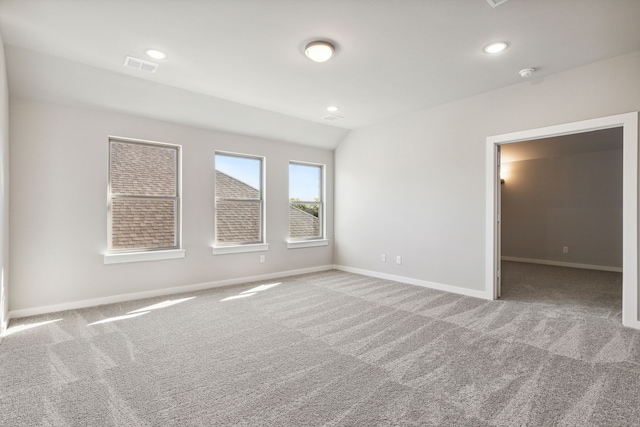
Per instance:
(59,158)
(572,201)
(415,186)
(4,191)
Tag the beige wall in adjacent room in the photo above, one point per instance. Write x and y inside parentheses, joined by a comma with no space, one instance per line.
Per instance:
(573,201)
(59,162)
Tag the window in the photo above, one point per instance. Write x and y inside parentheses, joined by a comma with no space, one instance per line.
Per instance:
(306,207)
(239,215)
(143,197)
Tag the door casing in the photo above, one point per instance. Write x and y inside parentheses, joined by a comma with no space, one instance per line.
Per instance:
(629,124)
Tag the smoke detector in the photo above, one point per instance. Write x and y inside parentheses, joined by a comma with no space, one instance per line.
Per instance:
(140,64)
(332,117)
(527,72)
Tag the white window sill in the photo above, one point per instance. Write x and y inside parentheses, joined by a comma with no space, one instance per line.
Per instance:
(143,256)
(237,249)
(294,244)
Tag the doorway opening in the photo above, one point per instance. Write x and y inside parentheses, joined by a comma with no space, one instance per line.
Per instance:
(561,222)
(629,125)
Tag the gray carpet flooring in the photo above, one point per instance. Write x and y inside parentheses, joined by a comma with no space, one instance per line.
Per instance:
(329,349)
(571,290)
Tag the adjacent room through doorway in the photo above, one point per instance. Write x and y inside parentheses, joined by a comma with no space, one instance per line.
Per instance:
(564,239)
(561,228)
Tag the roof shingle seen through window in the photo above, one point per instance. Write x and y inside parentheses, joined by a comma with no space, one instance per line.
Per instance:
(236,221)
(142,223)
(302,224)
(240,221)
(143,170)
(228,187)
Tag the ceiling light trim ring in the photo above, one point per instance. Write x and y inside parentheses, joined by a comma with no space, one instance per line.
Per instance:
(496,47)
(155,54)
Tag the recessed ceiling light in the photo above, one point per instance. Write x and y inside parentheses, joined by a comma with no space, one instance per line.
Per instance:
(319,51)
(155,54)
(333,108)
(495,47)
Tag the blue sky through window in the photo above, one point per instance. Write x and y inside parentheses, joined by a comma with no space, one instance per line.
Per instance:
(245,169)
(304,182)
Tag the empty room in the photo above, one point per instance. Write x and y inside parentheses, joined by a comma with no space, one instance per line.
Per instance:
(319,213)
(561,221)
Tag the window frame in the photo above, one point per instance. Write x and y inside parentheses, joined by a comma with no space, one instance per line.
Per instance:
(303,242)
(114,255)
(242,246)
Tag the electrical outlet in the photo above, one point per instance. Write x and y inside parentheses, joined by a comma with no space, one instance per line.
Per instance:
(565,249)
(262,257)
(398,259)
(383,258)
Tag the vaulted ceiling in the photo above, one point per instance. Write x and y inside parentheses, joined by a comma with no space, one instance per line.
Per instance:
(238,65)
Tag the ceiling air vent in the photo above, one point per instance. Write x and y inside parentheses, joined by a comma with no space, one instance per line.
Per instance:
(332,117)
(495,3)
(140,64)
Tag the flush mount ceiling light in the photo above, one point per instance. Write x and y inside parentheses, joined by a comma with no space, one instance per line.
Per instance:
(155,54)
(319,51)
(495,47)
(333,108)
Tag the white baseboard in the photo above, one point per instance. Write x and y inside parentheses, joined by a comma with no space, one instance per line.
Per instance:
(14,314)
(563,264)
(416,282)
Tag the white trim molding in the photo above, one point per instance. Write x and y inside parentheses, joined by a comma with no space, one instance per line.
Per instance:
(295,244)
(563,264)
(117,258)
(629,124)
(237,249)
(74,305)
(415,282)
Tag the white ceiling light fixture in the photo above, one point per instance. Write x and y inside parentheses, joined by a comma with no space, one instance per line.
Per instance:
(333,108)
(319,51)
(495,47)
(155,54)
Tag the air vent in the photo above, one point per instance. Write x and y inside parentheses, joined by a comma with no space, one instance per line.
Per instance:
(140,64)
(495,3)
(332,117)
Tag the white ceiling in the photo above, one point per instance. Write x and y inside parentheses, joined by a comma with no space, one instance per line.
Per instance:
(238,65)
